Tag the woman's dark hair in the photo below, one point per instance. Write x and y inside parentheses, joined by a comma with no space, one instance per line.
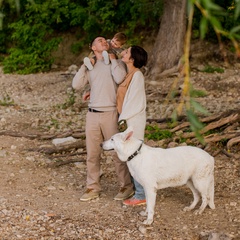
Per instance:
(139,55)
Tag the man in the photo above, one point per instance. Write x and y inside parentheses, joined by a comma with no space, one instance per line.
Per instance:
(102,117)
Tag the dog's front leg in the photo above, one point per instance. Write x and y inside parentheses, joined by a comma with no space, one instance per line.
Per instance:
(151,200)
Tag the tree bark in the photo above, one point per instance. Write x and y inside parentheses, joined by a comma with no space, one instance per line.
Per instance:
(169,45)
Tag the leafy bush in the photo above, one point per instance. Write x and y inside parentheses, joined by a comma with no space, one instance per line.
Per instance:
(30,38)
(33,41)
(155,133)
(3,46)
(33,33)
(32,52)
(226,19)
(210,69)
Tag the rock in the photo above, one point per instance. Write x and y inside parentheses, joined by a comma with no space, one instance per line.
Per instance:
(172,144)
(214,236)
(63,141)
(142,229)
(72,69)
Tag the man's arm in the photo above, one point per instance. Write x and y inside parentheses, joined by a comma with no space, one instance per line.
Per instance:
(80,79)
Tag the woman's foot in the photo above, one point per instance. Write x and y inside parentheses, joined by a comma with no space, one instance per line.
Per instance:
(134,202)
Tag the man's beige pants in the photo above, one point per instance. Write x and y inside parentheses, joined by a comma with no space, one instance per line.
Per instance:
(100,127)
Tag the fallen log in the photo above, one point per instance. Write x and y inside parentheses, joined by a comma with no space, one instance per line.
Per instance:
(219,137)
(230,119)
(61,163)
(19,134)
(67,155)
(43,136)
(233,141)
(51,149)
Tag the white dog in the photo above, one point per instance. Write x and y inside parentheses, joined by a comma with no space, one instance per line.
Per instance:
(157,168)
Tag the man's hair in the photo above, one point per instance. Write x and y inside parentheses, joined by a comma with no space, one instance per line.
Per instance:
(91,43)
(121,37)
(139,55)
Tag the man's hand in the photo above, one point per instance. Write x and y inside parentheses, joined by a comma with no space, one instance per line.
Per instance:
(86,96)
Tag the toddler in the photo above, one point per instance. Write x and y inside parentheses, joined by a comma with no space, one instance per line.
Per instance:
(115,47)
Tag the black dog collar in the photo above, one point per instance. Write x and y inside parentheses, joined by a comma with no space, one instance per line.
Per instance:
(135,154)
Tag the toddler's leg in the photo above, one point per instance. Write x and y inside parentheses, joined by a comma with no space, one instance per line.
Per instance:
(87,63)
(105,57)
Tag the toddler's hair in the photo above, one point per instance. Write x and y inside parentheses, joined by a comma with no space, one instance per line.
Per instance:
(121,37)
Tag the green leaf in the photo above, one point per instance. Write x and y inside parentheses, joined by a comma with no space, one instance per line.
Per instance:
(174,115)
(193,119)
(215,23)
(212,6)
(198,107)
(237,9)
(203,27)
(234,29)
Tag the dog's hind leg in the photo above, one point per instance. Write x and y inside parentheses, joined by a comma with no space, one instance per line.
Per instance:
(203,188)
(196,196)
(206,188)
(203,205)
(151,201)
(211,193)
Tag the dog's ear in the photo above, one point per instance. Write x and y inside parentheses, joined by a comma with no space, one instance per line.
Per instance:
(128,135)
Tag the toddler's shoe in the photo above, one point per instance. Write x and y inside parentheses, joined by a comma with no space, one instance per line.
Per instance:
(105,57)
(88,63)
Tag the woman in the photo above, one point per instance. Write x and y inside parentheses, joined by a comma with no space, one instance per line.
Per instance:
(131,104)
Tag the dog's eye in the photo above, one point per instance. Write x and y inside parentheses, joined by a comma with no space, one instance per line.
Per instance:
(112,139)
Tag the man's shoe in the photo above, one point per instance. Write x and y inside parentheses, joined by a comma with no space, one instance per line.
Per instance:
(124,193)
(134,202)
(105,57)
(88,63)
(88,195)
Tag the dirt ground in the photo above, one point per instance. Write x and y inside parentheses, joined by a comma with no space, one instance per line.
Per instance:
(42,202)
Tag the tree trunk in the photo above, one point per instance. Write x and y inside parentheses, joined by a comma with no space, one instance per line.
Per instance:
(169,45)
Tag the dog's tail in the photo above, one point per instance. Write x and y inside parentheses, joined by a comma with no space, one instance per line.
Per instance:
(211,192)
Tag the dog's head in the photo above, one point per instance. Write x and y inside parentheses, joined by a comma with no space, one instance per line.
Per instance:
(120,143)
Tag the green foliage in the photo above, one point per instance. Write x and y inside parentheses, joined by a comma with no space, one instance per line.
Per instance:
(6,101)
(70,101)
(33,34)
(194,93)
(3,46)
(195,124)
(216,17)
(27,58)
(30,37)
(155,133)
(54,123)
(210,69)
(32,40)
